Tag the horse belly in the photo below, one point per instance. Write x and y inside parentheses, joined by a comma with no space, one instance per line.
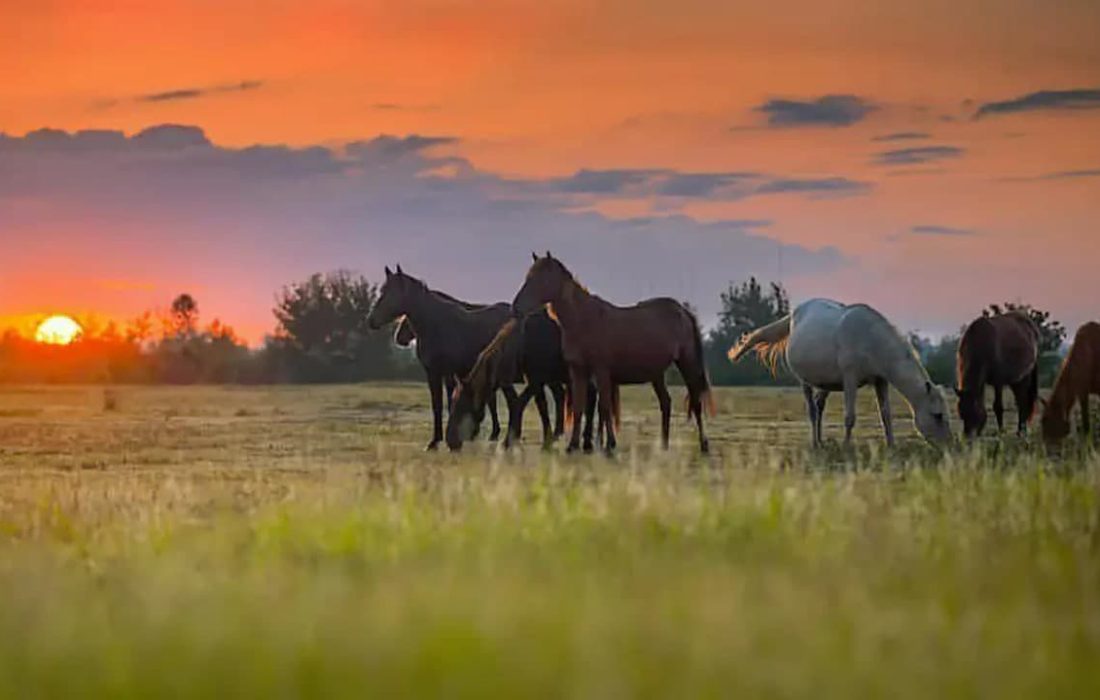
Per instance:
(812,353)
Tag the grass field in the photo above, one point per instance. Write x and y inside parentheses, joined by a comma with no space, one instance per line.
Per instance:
(286,542)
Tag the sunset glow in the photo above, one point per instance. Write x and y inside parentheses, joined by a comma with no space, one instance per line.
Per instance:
(58,330)
(910,154)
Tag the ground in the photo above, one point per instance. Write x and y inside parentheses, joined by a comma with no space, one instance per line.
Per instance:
(297,541)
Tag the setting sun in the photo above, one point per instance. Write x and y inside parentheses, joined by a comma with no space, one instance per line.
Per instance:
(58,330)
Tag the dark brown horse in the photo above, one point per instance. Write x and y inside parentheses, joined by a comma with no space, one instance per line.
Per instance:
(403,336)
(619,345)
(1078,378)
(448,335)
(524,351)
(998,351)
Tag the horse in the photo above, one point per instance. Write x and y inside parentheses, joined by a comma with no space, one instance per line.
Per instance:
(528,350)
(831,346)
(1000,351)
(404,335)
(619,345)
(449,336)
(1077,379)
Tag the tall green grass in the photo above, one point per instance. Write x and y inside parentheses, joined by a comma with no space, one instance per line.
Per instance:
(362,567)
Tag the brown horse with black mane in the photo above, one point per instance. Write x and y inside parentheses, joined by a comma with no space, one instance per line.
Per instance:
(1078,378)
(619,345)
(449,336)
(998,351)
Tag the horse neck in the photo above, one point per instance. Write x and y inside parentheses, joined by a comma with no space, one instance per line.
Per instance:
(1073,373)
(570,304)
(972,372)
(429,314)
(906,374)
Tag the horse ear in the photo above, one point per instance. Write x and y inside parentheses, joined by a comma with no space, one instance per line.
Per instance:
(399,269)
(534,256)
(549,256)
(388,272)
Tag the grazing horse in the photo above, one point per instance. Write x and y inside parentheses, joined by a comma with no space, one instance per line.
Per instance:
(1077,379)
(449,336)
(1000,351)
(831,346)
(619,345)
(528,350)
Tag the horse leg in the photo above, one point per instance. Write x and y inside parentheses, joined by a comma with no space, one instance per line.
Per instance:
(449,385)
(1086,427)
(579,377)
(512,402)
(851,394)
(882,393)
(516,417)
(435,388)
(820,399)
(559,408)
(607,407)
(589,417)
(999,407)
(1025,401)
(493,415)
(811,412)
(544,415)
(665,402)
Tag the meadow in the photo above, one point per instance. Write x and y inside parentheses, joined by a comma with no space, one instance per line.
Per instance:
(289,542)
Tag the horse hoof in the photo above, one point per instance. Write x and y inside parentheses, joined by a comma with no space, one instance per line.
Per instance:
(432,446)
(609,451)
(494,436)
(571,448)
(589,448)
(704,446)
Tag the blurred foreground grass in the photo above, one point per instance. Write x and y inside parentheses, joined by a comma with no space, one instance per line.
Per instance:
(294,542)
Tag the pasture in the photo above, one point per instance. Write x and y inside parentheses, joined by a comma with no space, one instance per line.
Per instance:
(282,542)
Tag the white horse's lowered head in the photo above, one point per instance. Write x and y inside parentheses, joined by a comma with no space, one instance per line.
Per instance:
(831,346)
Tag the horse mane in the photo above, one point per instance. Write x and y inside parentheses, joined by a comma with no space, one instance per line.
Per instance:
(480,375)
(969,366)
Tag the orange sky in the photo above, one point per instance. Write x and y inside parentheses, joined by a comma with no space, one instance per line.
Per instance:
(540,90)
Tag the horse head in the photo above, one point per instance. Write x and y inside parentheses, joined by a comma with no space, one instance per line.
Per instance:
(394,298)
(930,415)
(545,283)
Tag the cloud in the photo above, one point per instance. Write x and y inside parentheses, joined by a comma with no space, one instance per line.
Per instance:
(1043,100)
(192,93)
(937,230)
(821,186)
(917,155)
(1057,175)
(903,136)
(238,223)
(829,110)
(719,186)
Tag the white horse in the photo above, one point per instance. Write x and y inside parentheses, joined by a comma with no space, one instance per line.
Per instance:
(831,346)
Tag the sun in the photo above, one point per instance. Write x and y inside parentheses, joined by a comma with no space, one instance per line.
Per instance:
(58,330)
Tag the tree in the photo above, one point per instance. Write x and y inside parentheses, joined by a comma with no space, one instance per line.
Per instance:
(185,315)
(324,332)
(744,307)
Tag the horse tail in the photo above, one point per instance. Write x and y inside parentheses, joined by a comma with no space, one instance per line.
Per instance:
(699,381)
(769,342)
(616,406)
(481,377)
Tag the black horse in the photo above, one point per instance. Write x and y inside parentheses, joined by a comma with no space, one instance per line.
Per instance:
(524,350)
(449,336)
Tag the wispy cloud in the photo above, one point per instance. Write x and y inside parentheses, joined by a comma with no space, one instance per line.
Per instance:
(180,94)
(1056,175)
(829,110)
(1043,100)
(937,230)
(917,155)
(674,184)
(903,136)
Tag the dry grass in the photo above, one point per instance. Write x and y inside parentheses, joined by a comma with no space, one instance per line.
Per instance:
(296,541)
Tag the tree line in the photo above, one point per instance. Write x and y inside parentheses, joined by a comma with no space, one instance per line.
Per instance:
(321,336)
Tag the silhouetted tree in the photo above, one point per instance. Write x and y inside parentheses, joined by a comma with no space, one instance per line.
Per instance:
(185,315)
(323,332)
(744,307)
